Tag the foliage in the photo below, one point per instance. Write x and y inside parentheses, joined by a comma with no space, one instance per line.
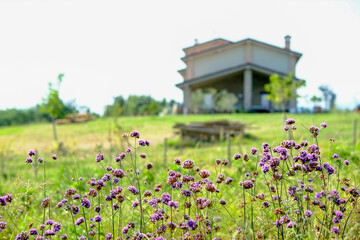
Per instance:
(52,103)
(197,100)
(283,89)
(329,97)
(135,105)
(225,101)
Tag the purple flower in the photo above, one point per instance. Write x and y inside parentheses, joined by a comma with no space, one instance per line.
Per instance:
(45,202)
(22,236)
(33,231)
(247,184)
(40,160)
(142,155)
(97,218)
(323,125)
(3,201)
(188,164)
(133,190)
(335,230)
(286,128)
(49,233)
(165,198)
(31,152)
(135,204)
(192,225)
(54,157)
(329,168)
(307,213)
(291,225)
(79,221)
(64,236)
(186,193)
(177,161)
(135,134)
(204,173)
(173,204)
(335,155)
(222,202)
(237,156)
(85,203)
(57,227)
(108,236)
(115,180)
(228,180)
(99,157)
(266,204)
(149,166)
(49,222)
(346,162)
(289,121)
(28,160)
(277,223)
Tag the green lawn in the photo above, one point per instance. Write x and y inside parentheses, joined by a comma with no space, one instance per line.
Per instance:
(81,143)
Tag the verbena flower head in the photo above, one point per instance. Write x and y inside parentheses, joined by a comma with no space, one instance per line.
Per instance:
(97,218)
(323,125)
(290,121)
(335,230)
(247,184)
(237,156)
(31,152)
(33,231)
(28,160)
(133,190)
(346,162)
(135,134)
(79,221)
(45,202)
(99,157)
(253,151)
(188,164)
(307,213)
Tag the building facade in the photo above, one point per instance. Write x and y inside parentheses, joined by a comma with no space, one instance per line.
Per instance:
(241,68)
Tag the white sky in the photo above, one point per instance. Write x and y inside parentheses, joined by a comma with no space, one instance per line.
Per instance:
(110,48)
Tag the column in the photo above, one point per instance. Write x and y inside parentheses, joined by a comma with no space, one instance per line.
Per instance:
(187,99)
(247,89)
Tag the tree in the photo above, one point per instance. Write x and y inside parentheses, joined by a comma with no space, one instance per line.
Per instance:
(225,101)
(283,89)
(53,105)
(315,100)
(197,100)
(329,97)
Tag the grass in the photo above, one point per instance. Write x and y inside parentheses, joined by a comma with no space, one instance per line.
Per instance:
(83,141)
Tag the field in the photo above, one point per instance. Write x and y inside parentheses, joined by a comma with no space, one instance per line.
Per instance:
(245,215)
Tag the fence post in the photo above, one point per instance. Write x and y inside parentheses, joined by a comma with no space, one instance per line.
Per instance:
(221,133)
(228,141)
(165,152)
(354,132)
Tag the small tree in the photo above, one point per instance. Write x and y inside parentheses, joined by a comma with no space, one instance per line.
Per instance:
(283,89)
(329,97)
(225,101)
(315,100)
(197,100)
(53,105)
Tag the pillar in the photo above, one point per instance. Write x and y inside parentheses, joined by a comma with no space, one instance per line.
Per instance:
(247,89)
(187,99)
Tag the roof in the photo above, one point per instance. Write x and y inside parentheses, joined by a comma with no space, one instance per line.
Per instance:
(219,43)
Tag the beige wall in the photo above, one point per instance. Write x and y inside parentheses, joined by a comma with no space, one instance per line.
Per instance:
(217,61)
(271,59)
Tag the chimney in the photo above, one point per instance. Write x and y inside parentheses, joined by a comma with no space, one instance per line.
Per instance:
(287,42)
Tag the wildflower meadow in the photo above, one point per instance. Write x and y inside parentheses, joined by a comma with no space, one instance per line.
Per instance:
(293,189)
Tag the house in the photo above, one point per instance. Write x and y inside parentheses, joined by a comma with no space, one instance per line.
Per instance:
(241,68)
